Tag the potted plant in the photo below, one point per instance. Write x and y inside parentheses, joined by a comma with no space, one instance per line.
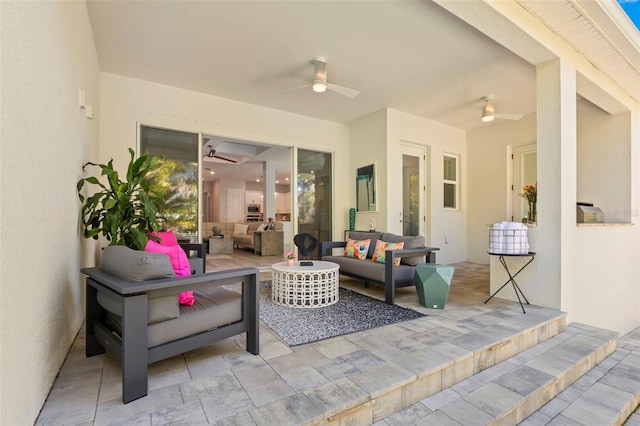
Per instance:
(124,212)
(290,257)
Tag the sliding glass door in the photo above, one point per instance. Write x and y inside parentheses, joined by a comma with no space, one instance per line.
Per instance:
(175,181)
(315,197)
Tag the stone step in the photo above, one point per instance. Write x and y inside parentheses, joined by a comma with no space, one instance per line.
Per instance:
(607,395)
(409,377)
(509,392)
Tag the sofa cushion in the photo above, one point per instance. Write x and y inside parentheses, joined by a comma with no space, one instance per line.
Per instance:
(369,270)
(357,249)
(380,255)
(240,229)
(410,242)
(373,236)
(135,265)
(160,309)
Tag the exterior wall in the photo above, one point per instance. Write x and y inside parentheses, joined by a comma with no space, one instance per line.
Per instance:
(47,55)
(367,144)
(489,173)
(448,227)
(127,102)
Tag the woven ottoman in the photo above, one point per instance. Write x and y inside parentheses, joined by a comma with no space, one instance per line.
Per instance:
(432,283)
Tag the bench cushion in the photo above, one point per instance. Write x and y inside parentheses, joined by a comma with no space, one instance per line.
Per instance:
(368,269)
(417,241)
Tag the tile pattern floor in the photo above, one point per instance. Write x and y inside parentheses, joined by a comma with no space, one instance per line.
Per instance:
(223,384)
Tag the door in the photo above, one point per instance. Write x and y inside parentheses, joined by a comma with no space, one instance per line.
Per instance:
(176,179)
(235,205)
(525,159)
(315,194)
(413,215)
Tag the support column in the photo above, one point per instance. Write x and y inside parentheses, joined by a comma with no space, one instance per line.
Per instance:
(269,200)
(557,171)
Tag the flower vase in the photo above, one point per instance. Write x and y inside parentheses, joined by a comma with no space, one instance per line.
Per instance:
(290,262)
(533,214)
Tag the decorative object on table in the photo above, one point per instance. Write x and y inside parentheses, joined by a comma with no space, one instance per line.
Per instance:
(352,313)
(352,219)
(508,238)
(530,193)
(306,244)
(587,213)
(433,283)
(217,231)
(270,226)
(372,225)
(291,258)
(124,212)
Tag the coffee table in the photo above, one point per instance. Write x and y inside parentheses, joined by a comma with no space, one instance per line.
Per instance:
(305,286)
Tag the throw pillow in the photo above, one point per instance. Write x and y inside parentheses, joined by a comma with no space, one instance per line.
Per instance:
(357,249)
(379,254)
(240,229)
(180,263)
(167,238)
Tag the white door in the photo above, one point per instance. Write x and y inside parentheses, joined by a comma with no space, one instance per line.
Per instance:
(235,205)
(414,212)
(525,160)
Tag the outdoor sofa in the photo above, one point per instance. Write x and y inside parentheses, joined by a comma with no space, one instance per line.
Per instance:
(386,274)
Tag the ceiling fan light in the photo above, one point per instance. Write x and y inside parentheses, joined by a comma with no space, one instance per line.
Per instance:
(487,113)
(211,153)
(319,86)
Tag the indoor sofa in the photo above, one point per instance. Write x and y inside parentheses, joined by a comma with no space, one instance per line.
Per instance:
(244,233)
(386,274)
(133,311)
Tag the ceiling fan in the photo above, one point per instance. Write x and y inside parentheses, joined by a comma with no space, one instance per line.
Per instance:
(212,154)
(320,83)
(489,111)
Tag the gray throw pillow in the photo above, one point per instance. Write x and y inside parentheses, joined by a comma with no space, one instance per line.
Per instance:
(409,242)
(135,265)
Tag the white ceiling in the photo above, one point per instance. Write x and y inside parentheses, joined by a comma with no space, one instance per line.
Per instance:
(411,56)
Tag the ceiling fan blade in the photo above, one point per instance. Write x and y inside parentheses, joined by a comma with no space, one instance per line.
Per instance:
(344,91)
(514,117)
(225,159)
(296,88)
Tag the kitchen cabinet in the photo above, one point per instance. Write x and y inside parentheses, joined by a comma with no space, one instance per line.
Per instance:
(283,202)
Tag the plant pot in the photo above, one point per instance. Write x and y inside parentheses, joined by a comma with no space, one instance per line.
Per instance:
(290,262)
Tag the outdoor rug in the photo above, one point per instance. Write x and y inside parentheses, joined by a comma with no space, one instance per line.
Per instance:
(353,312)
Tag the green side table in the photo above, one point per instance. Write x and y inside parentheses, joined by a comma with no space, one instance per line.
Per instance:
(432,283)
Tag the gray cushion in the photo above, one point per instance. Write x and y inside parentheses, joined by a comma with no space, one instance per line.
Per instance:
(135,265)
(368,269)
(417,241)
(160,308)
(373,236)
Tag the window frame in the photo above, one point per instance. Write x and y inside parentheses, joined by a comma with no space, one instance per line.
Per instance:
(455,183)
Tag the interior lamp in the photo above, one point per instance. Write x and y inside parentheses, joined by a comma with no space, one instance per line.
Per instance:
(319,86)
(488,112)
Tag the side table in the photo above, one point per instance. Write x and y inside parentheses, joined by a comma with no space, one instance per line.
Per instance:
(511,279)
(220,245)
(305,286)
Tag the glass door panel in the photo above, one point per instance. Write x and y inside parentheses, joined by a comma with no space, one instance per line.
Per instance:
(413,214)
(314,192)
(175,181)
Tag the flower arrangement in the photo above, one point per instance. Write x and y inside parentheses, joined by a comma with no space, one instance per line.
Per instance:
(290,256)
(530,193)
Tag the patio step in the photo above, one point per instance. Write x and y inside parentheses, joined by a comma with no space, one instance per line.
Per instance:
(511,391)
(607,395)
(411,377)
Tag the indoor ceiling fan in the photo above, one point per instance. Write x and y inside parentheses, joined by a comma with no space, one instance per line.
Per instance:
(320,83)
(489,111)
(212,154)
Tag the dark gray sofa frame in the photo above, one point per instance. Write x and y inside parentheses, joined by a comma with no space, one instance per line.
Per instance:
(391,282)
(132,350)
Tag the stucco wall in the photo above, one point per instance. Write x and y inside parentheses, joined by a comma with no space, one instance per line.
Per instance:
(127,102)
(47,55)
(448,227)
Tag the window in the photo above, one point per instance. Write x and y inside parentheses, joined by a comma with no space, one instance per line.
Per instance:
(450,178)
